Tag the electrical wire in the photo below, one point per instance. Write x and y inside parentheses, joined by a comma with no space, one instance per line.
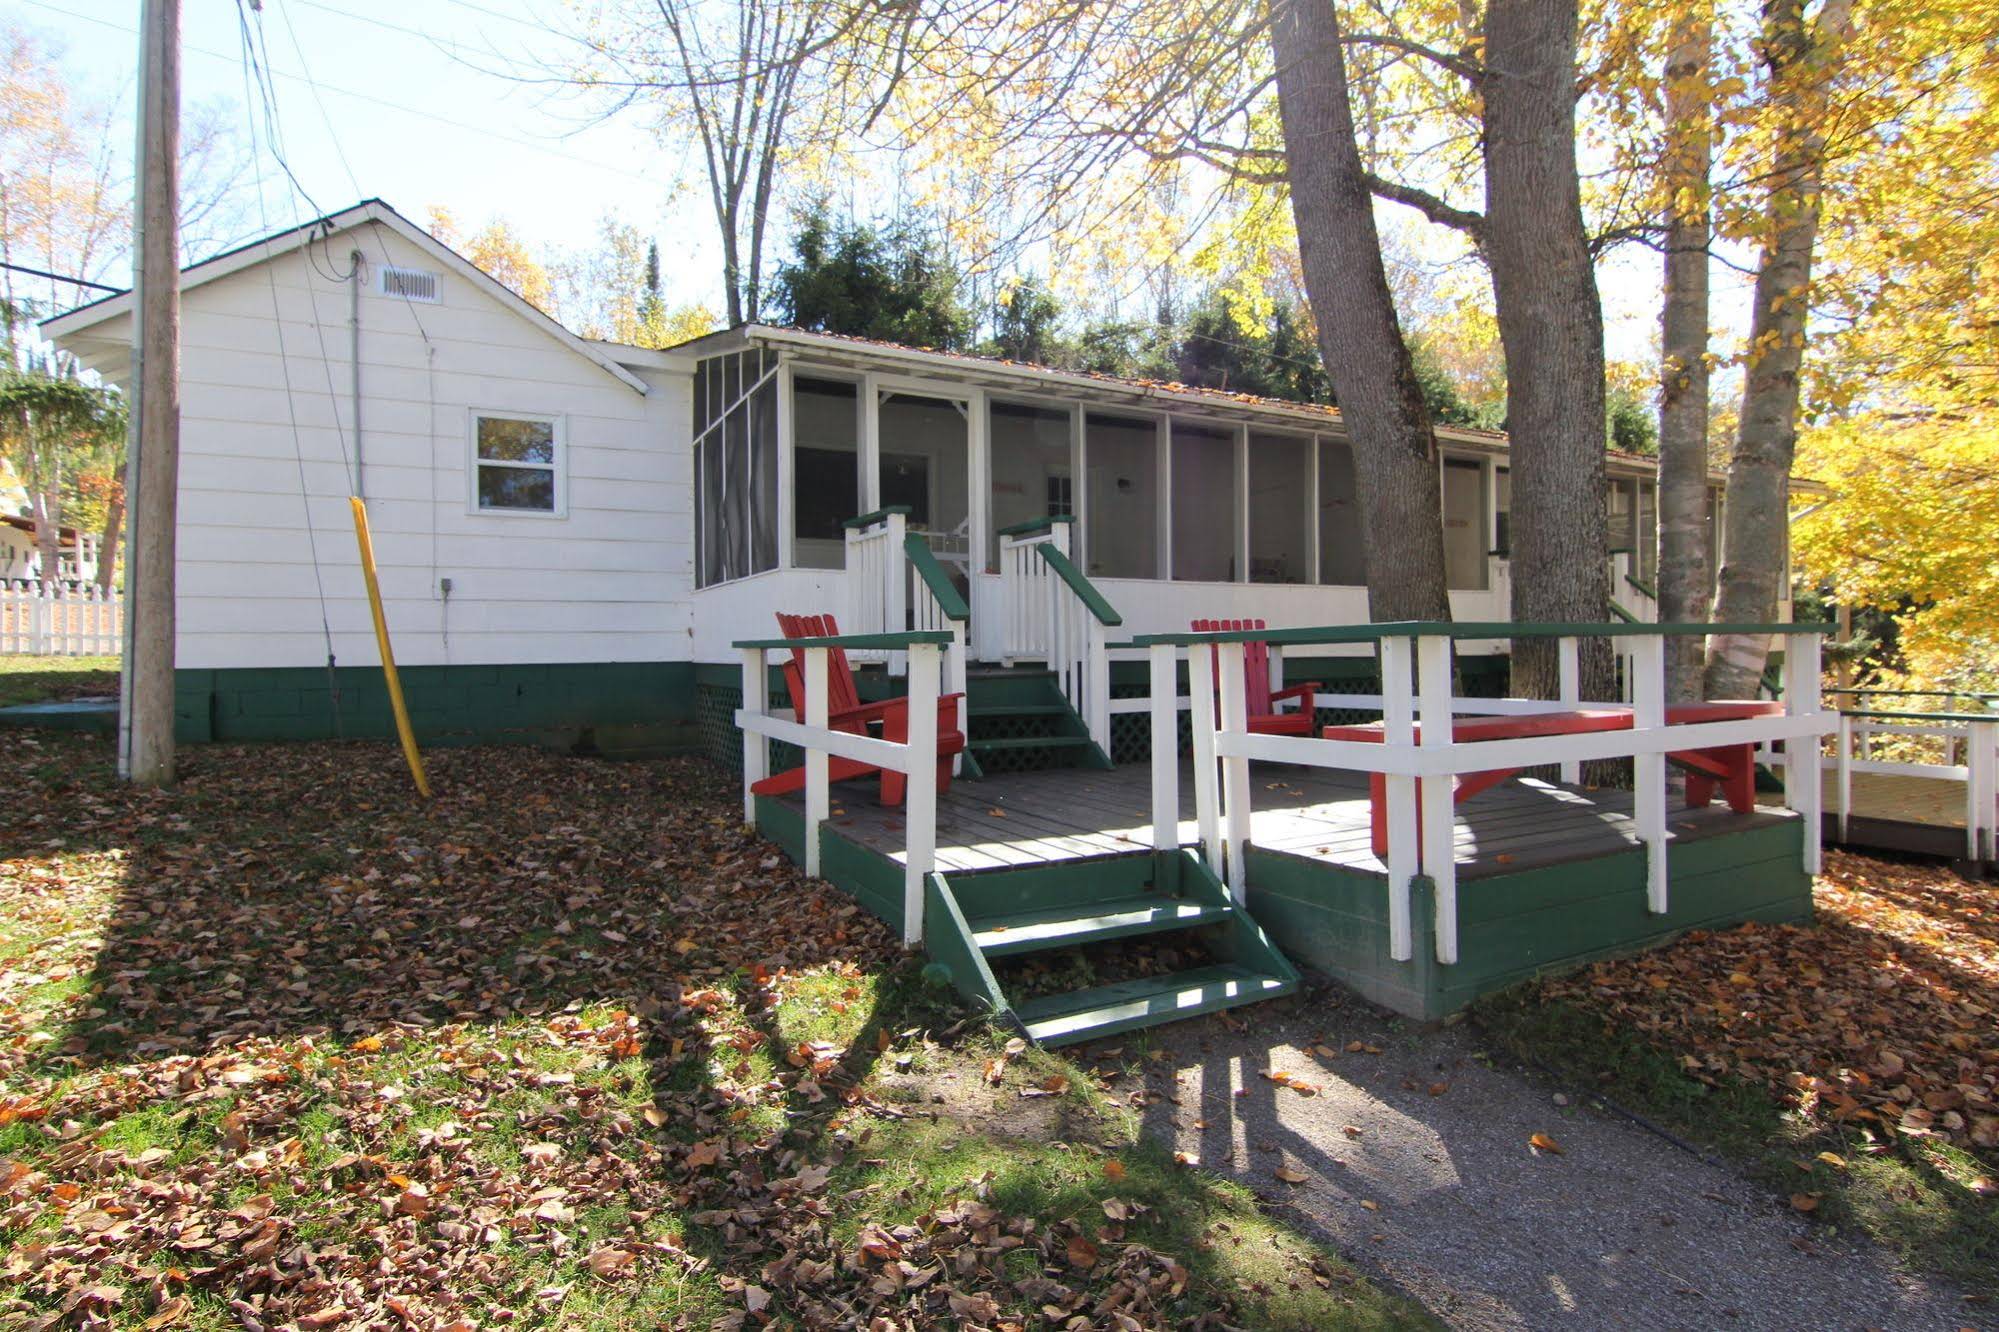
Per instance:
(291,406)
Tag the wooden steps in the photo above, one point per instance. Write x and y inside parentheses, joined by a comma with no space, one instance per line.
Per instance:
(1060,927)
(1109,1009)
(1017,720)
(991,916)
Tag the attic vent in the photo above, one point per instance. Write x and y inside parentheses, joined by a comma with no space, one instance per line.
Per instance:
(412,284)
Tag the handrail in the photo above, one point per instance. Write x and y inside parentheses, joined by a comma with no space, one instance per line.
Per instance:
(1912,693)
(1623,614)
(1642,586)
(1085,590)
(931,571)
(870,519)
(852,642)
(1373,633)
(1037,524)
(1878,715)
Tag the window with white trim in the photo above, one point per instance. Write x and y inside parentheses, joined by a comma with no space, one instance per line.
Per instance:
(516,463)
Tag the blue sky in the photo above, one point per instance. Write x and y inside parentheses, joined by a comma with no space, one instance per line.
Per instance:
(413,116)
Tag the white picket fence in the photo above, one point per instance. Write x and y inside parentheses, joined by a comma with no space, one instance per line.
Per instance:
(61,621)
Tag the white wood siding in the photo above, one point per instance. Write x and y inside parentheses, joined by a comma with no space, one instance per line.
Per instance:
(610,581)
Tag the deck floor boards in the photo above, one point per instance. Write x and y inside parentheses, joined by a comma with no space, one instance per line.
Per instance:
(1035,818)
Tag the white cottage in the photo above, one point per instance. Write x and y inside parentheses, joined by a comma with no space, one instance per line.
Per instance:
(572,533)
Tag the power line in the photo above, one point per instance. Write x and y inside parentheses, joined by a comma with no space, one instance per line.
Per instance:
(464,126)
(59,277)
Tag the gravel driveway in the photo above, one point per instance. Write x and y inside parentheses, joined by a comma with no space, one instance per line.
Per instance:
(1416,1162)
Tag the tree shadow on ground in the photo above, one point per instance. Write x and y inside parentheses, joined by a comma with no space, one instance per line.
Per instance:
(544,1019)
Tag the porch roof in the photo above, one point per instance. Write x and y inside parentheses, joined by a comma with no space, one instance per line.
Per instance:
(1107,391)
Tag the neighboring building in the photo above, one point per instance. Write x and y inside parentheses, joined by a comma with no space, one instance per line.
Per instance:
(571,533)
(21,558)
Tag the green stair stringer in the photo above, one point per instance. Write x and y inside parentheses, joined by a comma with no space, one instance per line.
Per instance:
(973,918)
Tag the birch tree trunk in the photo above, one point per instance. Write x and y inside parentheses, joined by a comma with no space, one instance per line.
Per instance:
(1756,518)
(1394,447)
(1551,326)
(1686,581)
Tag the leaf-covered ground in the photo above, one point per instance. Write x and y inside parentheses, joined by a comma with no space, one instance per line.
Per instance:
(282,1048)
(1855,1059)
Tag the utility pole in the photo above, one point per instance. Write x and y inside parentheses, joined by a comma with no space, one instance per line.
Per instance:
(152,464)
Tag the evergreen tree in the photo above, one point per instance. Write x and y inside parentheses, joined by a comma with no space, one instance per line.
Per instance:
(892,283)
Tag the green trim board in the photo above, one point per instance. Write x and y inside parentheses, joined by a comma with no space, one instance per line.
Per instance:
(607,706)
(870,519)
(1086,591)
(1036,524)
(1373,633)
(924,560)
(1514,926)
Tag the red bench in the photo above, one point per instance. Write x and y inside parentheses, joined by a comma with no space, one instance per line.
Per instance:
(1730,767)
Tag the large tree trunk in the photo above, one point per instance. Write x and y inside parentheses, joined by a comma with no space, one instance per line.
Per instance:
(1394,447)
(107,548)
(1551,326)
(1685,580)
(1756,517)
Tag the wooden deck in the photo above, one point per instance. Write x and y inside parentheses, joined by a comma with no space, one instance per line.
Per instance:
(1899,812)
(1041,818)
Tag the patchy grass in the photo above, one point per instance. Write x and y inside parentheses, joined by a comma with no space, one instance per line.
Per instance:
(564,1047)
(26,679)
(1850,1064)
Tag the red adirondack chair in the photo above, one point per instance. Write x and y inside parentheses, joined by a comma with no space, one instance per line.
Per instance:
(1264,718)
(846,712)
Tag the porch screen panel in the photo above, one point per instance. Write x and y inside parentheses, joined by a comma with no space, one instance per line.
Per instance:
(826,469)
(925,465)
(1204,504)
(735,423)
(1280,494)
(1342,552)
(1122,456)
(1464,525)
(1623,532)
(1029,467)
(763,476)
(1648,529)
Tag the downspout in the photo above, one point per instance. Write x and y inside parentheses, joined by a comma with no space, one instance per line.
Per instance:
(354,357)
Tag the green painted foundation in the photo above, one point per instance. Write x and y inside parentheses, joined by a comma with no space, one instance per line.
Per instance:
(1515,926)
(608,707)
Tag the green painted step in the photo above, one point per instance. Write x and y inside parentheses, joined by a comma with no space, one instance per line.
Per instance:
(1032,742)
(1105,1010)
(1062,926)
(977,710)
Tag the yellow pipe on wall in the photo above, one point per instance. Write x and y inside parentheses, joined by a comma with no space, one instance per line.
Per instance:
(403,731)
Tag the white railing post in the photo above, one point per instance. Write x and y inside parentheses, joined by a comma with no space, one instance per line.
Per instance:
(1097,670)
(1981,796)
(920,816)
(895,587)
(1399,732)
(1235,771)
(1803,780)
(955,676)
(1201,709)
(1163,661)
(1436,798)
(38,625)
(1568,659)
(756,748)
(818,799)
(1648,699)
(1842,758)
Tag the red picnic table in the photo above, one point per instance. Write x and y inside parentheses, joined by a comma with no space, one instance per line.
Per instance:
(1731,767)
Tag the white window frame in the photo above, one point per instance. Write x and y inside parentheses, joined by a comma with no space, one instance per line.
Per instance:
(558,469)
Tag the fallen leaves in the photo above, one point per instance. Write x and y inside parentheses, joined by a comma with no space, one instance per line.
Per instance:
(1290,1176)
(1541,1142)
(1880,1015)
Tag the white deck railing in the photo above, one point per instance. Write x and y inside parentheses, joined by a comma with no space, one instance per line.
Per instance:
(1050,612)
(1416,688)
(1966,745)
(917,757)
(59,621)
(878,581)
